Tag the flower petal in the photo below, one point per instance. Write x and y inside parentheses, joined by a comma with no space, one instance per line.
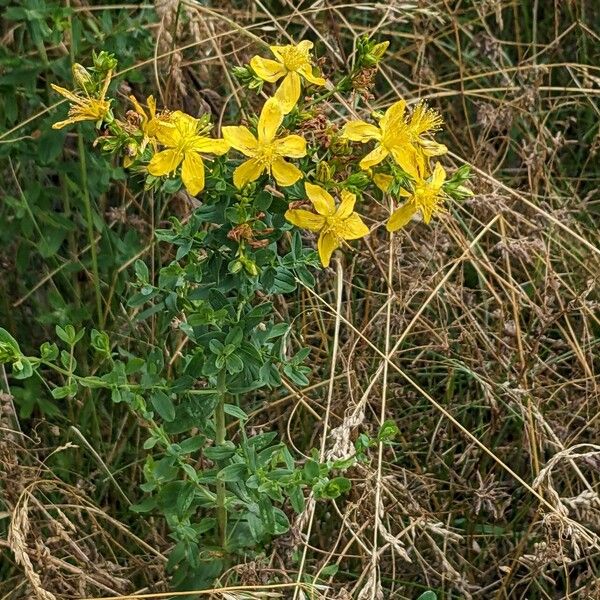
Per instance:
(401,216)
(168,133)
(374,157)
(138,108)
(278,52)
(307,72)
(439,176)
(409,160)
(267,69)
(305,219)
(151,102)
(288,92)
(431,148)
(326,245)
(208,145)
(68,94)
(285,173)
(192,173)
(321,199)
(185,124)
(360,131)
(346,205)
(69,121)
(249,170)
(164,162)
(271,117)
(352,228)
(383,181)
(240,138)
(305,46)
(292,146)
(393,115)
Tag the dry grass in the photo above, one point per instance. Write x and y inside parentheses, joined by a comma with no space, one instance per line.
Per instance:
(479,335)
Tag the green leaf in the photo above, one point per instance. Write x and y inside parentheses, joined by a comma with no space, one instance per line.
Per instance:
(234,337)
(146,505)
(296,498)
(93,382)
(150,443)
(141,271)
(296,374)
(48,351)
(9,348)
(335,488)
(311,470)
(234,364)
(281,523)
(296,245)
(22,368)
(222,452)
(235,472)
(163,405)
(235,411)
(192,444)
(278,330)
(329,570)
(64,391)
(216,347)
(66,334)
(388,431)
(428,595)
(190,472)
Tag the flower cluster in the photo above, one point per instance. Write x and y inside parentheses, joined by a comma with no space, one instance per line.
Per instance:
(292,139)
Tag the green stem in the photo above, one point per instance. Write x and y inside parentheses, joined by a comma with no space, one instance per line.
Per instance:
(67,204)
(220,431)
(87,202)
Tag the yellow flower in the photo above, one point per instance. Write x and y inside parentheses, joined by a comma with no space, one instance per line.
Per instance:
(184,146)
(334,225)
(293,63)
(425,120)
(84,108)
(266,152)
(150,122)
(403,139)
(425,198)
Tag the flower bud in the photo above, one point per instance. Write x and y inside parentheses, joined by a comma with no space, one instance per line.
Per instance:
(104,62)
(324,172)
(82,77)
(358,180)
(7,353)
(242,74)
(370,53)
(235,266)
(249,266)
(378,50)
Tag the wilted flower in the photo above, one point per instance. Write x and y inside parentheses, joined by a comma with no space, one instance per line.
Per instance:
(266,152)
(84,108)
(333,224)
